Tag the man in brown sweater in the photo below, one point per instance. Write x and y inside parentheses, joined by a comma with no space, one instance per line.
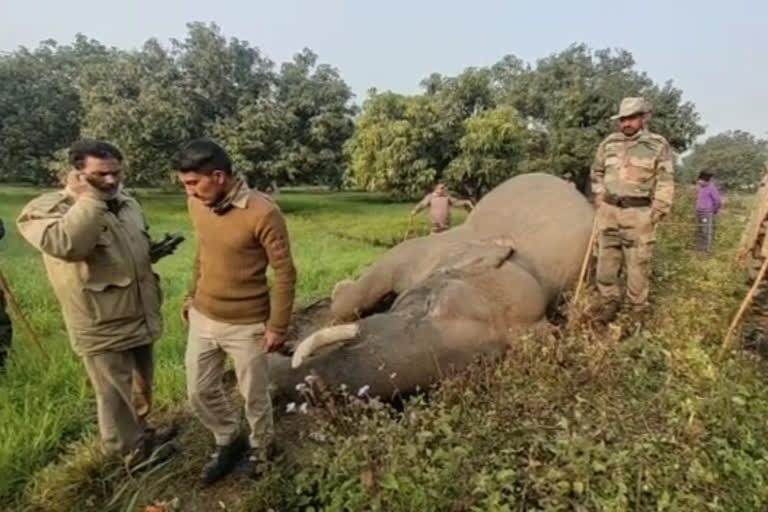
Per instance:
(229,312)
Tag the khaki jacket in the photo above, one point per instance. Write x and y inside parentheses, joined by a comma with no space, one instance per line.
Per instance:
(99,267)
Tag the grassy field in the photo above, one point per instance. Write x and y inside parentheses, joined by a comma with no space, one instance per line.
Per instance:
(46,403)
(622,420)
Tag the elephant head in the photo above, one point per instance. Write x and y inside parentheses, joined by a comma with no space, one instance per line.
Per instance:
(433,304)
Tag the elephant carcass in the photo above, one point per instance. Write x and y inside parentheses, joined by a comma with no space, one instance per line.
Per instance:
(432,304)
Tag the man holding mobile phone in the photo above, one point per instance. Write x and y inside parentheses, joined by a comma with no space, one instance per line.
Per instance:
(98,256)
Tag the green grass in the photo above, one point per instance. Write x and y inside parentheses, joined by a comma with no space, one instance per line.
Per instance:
(46,402)
(642,420)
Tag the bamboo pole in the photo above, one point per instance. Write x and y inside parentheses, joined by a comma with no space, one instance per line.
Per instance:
(728,340)
(585,261)
(408,229)
(19,314)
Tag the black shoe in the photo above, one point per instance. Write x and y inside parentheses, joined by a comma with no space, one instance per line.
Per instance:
(223,461)
(605,311)
(257,461)
(254,466)
(755,340)
(162,435)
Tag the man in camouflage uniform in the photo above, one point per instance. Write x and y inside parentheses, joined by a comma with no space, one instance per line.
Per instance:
(751,253)
(6,330)
(632,182)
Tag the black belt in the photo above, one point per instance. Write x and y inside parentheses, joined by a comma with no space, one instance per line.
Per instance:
(627,202)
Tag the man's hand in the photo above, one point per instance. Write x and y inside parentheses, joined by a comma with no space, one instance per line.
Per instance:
(185,311)
(77,184)
(656,216)
(272,341)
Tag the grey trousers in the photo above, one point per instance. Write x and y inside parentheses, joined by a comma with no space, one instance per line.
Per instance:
(208,345)
(705,231)
(122,383)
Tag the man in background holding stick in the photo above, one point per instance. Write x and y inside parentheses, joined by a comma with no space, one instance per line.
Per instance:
(439,203)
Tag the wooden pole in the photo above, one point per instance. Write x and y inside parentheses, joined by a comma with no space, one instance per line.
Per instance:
(585,262)
(19,314)
(728,340)
(408,229)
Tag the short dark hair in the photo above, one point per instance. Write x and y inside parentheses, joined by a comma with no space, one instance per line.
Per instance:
(204,156)
(82,149)
(705,175)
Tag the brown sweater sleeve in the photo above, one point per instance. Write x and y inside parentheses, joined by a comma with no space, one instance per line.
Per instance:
(272,233)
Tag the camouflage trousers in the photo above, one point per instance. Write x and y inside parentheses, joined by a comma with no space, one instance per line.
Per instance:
(6,331)
(628,236)
(759,307)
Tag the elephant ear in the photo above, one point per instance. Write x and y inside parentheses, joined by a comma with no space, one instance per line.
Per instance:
(480,254)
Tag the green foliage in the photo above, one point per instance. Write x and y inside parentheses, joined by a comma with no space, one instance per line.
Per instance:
(40,111)
(297,136)
(736,158)
(138,101)
(394,146)
(492,148)
(285,127)
(563,105)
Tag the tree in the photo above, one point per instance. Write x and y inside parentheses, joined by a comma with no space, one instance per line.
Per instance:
(571,96)
(736,158)
(221,74)
(320,116)
(139,101)
(393,148)
(492,148)
(40,112)
(561,109)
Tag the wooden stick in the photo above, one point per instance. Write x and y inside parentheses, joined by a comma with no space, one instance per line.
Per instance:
(408,229)
(585,262)
(19,314)
(727,341)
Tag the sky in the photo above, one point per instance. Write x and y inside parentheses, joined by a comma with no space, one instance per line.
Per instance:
(714,54)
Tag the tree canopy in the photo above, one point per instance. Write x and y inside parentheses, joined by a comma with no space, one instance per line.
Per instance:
(295,122)
(737,160)
(287,125)
(487,124)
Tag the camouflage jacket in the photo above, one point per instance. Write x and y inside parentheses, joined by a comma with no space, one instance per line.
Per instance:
(636,166)
(99,266)
(756,225)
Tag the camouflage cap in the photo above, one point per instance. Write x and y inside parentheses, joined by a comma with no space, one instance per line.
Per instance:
(631,106)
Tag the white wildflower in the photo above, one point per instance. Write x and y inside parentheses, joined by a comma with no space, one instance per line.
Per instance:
(291,407)
(301,387)
(309,379)
(363,390)
(303,408)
